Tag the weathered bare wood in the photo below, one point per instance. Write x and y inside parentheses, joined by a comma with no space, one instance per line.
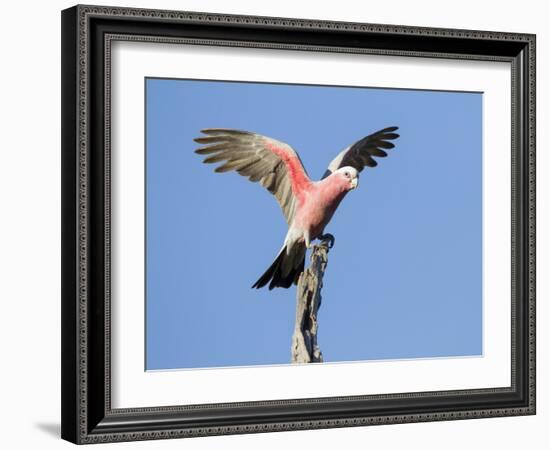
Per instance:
(305,348)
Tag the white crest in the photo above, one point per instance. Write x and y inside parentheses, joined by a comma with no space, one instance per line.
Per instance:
(351,170)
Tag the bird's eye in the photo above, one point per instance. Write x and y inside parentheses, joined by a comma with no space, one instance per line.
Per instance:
(347,174)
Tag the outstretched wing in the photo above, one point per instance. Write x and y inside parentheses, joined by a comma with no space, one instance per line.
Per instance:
(361,153)
(274,164)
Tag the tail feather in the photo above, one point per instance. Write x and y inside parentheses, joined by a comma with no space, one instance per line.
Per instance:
(275,272)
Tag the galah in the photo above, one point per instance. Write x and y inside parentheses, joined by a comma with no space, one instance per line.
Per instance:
(307,205)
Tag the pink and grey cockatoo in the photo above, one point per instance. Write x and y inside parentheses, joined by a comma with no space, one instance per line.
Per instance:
(307,205)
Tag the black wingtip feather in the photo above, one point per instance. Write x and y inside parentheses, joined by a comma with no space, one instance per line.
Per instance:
(389,129)
(389,136)
(225,131)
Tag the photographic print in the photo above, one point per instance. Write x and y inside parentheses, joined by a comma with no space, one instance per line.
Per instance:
(275,224)
(387,181)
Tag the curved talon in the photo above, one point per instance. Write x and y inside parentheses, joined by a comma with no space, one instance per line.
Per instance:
(328,237)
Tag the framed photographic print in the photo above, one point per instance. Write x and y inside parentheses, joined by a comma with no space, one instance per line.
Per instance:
(282,224)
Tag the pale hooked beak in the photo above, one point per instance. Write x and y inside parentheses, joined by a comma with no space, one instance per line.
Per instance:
(354,183)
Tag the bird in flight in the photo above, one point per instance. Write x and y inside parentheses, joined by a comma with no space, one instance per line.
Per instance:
(307,205)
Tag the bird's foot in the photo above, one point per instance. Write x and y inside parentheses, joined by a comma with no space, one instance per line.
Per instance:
(329,238)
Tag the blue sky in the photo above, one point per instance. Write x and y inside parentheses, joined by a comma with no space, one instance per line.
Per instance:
(404,277)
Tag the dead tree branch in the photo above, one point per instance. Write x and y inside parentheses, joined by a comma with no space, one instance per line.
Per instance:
(305,348)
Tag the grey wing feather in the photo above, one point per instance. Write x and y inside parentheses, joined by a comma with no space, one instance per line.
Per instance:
(360,154)
(251,155)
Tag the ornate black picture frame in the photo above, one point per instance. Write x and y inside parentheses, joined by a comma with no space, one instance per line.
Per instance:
(87,35)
